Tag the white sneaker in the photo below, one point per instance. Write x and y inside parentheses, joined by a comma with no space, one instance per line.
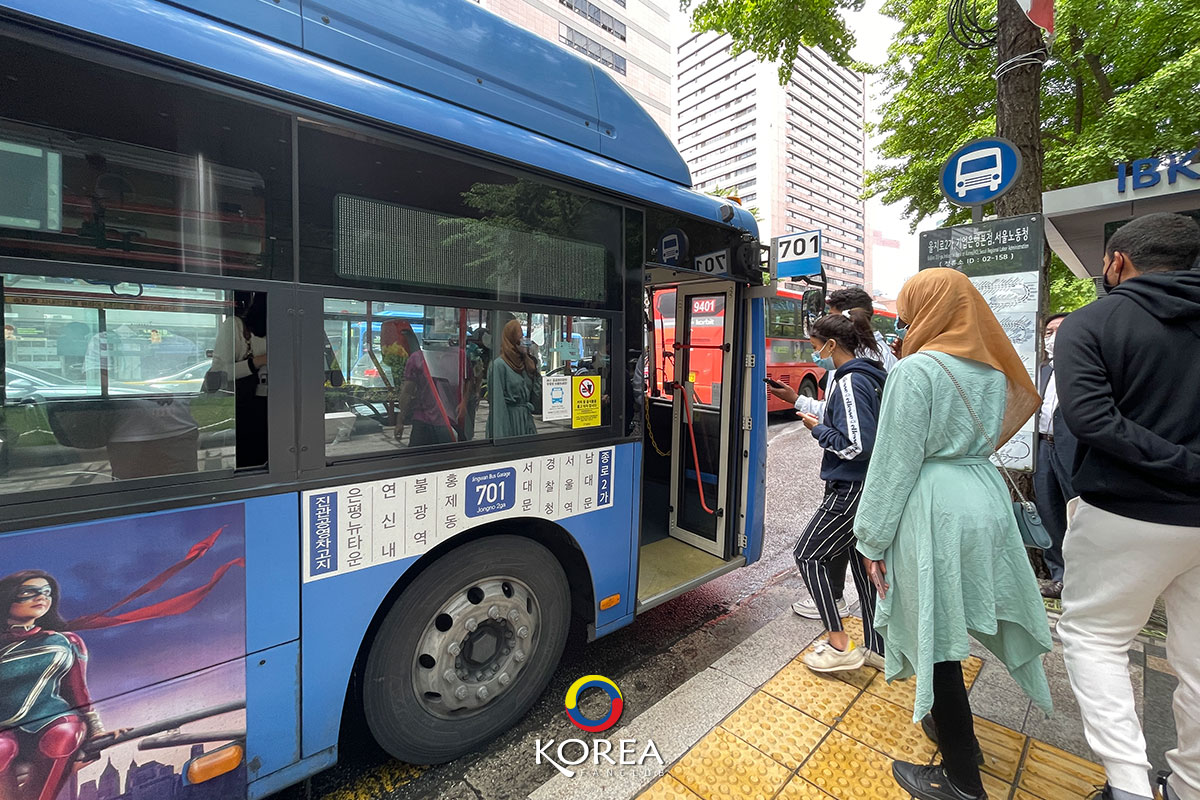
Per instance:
(873,659)
(827,658)
(808,609)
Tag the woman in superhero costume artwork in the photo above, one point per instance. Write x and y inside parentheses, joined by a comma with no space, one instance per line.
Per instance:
(48,726)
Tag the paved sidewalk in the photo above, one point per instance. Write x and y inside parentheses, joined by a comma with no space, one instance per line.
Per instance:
(758,724)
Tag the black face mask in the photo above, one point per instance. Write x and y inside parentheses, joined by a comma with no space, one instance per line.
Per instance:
(1108,287)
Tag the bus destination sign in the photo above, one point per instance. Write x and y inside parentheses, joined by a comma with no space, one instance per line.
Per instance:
(359,525)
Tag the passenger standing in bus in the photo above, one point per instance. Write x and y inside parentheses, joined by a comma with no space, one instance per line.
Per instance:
(936,521)
(846,432)
(513,387)
(241,352)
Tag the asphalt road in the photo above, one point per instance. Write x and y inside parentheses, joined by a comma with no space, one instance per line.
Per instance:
(647,659)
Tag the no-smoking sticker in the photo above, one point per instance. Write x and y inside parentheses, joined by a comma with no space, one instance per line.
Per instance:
(585,401)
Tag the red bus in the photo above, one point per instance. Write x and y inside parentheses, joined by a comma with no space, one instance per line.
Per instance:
(708,331)
(789,354)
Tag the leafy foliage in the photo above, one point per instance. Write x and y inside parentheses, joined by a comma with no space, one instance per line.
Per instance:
(775,30)
(1121,83)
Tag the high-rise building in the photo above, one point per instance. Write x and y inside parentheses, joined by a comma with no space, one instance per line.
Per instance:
(629,37)
(794,152)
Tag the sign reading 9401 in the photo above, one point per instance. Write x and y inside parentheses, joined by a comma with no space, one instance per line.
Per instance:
(995,247)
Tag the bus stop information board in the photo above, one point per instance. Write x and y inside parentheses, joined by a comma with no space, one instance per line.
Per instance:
(1003,259)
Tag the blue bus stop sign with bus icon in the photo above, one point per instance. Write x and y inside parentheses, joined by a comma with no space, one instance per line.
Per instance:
(980,171)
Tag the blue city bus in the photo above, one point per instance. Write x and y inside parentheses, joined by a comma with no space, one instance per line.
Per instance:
(220,544)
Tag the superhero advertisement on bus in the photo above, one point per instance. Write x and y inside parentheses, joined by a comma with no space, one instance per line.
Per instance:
(121,658)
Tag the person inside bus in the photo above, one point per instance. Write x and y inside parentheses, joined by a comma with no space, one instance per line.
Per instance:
(855,304)
(514,386)
(146,436)
(420,403)
(240,357)
(846,432)
(936,522)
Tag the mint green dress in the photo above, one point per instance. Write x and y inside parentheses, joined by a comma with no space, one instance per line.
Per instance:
(939,514)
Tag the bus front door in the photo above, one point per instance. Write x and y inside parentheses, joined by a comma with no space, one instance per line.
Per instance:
(700,416)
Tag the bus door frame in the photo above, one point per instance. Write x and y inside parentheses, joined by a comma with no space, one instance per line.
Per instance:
(683,392)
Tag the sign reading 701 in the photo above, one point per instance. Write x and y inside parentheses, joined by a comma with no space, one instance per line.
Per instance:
(797,254)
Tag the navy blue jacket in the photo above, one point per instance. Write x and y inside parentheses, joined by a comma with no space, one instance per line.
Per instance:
(847,431)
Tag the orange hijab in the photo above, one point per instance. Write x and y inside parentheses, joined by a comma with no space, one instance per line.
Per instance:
(947,314)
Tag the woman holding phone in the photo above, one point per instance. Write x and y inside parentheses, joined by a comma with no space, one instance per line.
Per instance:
(936,522)
(846,432)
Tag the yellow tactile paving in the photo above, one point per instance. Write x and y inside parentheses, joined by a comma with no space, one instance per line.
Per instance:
(723,766)
(850,770)
(902,693)
(800,789)
(1002,748)
(775,728)
(1052,774)
(888,728)
(819,696)
(668,788)
(996,789)
(971,668)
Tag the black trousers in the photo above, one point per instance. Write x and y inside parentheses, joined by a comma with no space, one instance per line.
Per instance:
(955,726)
(1051,496)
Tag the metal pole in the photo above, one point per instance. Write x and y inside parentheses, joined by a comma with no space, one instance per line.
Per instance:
(976,214)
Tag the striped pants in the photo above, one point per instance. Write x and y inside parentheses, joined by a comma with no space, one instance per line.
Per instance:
(829,534)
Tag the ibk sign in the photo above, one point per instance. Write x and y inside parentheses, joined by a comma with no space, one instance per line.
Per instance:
(1143,173)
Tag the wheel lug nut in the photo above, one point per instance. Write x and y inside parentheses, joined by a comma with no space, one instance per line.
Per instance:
(472,624)
(482,694)
(461,693)
(455,648)
(478,676)
(494,612)
(504,679)
(513,616)
(519,656)
(523,632)
(449,675)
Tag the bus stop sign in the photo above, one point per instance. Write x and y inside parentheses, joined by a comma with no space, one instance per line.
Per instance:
(797,254)
(980,171)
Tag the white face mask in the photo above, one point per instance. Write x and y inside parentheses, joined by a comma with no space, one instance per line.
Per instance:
(1049,345)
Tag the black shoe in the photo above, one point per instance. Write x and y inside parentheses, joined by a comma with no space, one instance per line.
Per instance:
(929,783)
(1053,590)
(1166,793)
(930,728)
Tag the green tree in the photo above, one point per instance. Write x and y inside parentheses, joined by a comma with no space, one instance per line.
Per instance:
(1120,83)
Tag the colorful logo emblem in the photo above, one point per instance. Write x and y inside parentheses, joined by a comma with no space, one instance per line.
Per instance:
(615,703)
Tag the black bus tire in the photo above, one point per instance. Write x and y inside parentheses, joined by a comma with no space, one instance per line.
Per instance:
(808,388)
(523,586)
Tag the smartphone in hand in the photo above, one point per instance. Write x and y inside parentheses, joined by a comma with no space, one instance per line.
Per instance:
(774,383)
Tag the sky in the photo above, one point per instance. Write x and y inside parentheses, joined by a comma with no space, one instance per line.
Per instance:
(874,32)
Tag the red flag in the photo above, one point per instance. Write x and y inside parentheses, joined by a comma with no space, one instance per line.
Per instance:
(1040,12)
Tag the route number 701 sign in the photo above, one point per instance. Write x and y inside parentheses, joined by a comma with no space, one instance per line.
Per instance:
(797,254)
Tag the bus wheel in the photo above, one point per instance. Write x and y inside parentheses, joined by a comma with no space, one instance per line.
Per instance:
(808,388)
(466,649)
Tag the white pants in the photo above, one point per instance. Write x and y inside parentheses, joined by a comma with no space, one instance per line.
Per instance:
(1116,567)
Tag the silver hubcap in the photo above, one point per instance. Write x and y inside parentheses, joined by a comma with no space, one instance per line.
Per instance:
(475,646)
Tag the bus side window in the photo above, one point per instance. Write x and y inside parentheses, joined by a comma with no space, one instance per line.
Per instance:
(106,383)
(413,376)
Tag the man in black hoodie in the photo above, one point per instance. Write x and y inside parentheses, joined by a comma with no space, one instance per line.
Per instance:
(1128,371)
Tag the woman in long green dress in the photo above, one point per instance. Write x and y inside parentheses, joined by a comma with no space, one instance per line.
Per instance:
(936,522)
(513,387)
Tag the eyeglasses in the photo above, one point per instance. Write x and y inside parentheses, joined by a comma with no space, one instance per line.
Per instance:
(31,593)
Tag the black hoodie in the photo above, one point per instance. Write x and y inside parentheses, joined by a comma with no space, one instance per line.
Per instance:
(1128,380)
(847,430)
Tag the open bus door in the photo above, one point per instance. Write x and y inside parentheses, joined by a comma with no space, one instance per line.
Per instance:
(700,438)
